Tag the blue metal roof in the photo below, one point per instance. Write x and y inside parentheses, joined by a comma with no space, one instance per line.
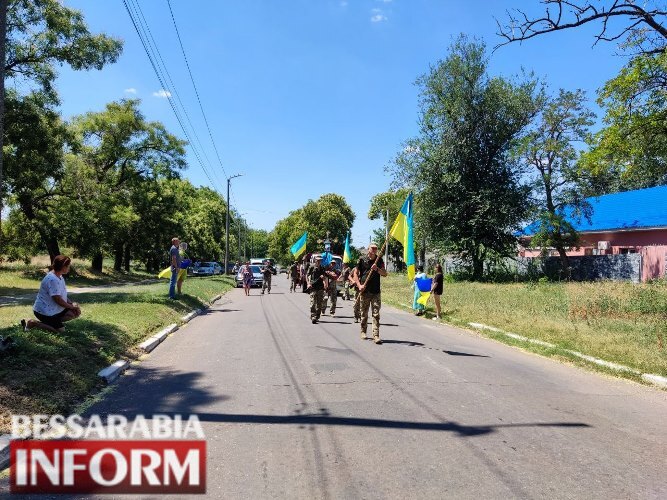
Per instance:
(639,209)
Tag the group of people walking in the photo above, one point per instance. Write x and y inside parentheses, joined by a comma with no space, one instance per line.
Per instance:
(364,278)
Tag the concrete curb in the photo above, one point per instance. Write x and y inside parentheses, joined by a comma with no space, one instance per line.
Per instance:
(650,378)
(112,372)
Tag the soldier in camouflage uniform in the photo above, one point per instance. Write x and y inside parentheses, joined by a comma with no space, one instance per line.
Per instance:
(368,280)
(315,283)
(332,287)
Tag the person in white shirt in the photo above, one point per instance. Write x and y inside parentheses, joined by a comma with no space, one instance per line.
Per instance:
(52,308)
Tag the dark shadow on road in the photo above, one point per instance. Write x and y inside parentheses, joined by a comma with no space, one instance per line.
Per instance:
(147,391)
(403,342)
(335,322)
(456,353)
(389,324)
(324,418)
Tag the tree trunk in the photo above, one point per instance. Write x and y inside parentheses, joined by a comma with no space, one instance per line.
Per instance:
(564,262)
(52,246)
(118,257)
(477,268)
(126,257)
(97,262)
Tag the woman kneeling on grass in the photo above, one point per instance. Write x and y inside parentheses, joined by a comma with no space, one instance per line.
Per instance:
(52,307)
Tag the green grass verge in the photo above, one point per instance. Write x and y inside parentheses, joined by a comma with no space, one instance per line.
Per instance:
(22,279)
(616,321)
(50,373)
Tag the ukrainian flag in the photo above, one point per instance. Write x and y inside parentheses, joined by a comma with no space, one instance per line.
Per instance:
(402,230)
(424,286)
(300,246)
(347,253)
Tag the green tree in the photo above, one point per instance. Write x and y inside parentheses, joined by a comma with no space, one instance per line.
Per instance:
(329,214)
(380,203)
(33,158)
(630,152)
(117,150)
(467,181)
(549,148)
(44,33)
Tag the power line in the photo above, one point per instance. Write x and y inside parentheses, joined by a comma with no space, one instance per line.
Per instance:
(148,48)
(194,85)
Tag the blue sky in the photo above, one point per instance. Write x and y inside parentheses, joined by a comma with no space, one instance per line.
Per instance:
(306,97)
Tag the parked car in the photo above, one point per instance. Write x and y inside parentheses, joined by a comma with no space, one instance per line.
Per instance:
(258,277)
(207,269)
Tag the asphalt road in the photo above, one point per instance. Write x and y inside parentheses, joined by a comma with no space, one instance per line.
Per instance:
(295,410)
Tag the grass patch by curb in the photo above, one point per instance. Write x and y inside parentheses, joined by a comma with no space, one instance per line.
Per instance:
(623,323)
(50,373)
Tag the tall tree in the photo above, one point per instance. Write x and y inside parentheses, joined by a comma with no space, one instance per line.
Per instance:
(630,151)
(330,213)
(468,182)
(550,149)
(117,149)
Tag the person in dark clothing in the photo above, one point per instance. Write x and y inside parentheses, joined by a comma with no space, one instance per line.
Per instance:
(368,282)
(315,282)
(436,289)
(267,272)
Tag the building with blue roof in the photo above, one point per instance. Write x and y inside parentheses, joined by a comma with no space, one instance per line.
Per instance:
(620,223)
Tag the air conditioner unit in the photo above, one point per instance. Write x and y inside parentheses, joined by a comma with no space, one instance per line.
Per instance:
(603,245)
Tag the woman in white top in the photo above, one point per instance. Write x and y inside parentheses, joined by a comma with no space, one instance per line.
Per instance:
(52,307)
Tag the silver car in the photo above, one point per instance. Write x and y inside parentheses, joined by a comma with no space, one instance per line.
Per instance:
(257,277)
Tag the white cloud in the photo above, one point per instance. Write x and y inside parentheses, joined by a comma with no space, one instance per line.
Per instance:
(131,90)
(378,18)
(162,93)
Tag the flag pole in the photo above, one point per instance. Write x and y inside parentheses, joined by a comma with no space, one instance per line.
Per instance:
(371,272)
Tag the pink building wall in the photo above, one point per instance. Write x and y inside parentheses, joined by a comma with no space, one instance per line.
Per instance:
(653,262)
(652,244)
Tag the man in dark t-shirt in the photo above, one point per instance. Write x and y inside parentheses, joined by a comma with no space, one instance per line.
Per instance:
(315,283)
(367,279)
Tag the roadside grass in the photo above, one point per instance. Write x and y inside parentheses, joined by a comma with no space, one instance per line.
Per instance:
(51,373)
(621,322)
(20,278)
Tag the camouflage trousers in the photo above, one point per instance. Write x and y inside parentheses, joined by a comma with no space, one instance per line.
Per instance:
(373,301)
(266,283)
(333,299)
(346,290)
(357,306)
(316,303)
(295,282)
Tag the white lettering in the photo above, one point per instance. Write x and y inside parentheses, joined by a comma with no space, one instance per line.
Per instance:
(193,425)
(51,469)
(162,427)
(96,469)
(57,425)
(96,427)
(191,462)
(139,471)
(116,425)
(74,425)
(140,426)
(20,426)
(69,465)
(40,424)
(21,467)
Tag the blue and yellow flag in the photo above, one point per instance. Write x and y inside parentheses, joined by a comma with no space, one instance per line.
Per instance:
(347,253)
(402,231)
(300,246)
(424,286)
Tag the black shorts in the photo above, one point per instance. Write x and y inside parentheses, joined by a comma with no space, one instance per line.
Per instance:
(55,321)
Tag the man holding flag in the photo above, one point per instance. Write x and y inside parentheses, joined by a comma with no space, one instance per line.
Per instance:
(367,279)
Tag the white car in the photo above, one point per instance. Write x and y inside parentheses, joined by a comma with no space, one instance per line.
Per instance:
(207,269)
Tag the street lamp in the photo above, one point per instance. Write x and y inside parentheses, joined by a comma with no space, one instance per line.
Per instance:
(229,180)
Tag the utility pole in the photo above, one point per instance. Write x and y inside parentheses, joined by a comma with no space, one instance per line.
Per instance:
(3,59)
(386,246)
(229,180)
(239,222)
